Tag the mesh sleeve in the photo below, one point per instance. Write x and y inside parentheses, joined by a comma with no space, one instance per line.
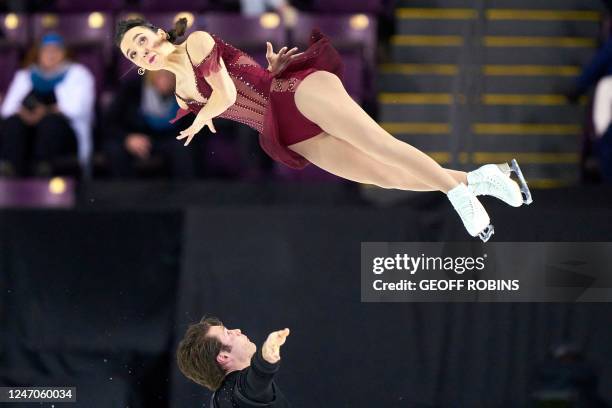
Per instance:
(211,64)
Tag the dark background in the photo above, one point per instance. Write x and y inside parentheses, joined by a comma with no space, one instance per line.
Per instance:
(98,297)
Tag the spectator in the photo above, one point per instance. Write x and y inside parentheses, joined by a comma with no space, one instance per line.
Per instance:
(138,128)
(602,116)
(599,66)
(48,112)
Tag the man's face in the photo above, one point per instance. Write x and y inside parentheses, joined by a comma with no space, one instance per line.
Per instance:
(242,349)
(51,56)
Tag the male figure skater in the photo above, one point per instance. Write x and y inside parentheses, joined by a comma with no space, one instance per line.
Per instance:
(228,363)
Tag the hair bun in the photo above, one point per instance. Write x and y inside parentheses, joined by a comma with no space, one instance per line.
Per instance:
(179,29)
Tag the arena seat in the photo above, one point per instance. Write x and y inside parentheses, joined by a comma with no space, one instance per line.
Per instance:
(71,6)
(15,39)
(349,6)
(15,28)
(193,6)
(354,36)
(252,34)
(9,60)
(57,192)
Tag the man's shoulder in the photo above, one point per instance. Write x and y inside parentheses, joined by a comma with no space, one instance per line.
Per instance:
(223,396)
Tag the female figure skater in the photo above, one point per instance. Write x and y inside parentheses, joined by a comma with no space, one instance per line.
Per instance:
(304,114)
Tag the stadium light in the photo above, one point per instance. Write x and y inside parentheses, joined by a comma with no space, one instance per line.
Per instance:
(11,21)
(269,20)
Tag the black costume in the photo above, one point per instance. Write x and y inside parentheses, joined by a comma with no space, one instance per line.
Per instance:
(251,387)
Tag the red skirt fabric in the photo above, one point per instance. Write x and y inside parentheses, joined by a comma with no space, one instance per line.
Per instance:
(284,125)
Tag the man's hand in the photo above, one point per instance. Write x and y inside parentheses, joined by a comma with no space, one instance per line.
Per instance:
(195,127)
(278,62)
(271,347)
(138,144)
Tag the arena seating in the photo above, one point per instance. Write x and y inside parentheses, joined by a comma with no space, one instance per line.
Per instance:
(252,35)
(71,6)
(54,193)
(349,6)
(355,39)
(90,37)
(471,86)
(174,5)
(15,30)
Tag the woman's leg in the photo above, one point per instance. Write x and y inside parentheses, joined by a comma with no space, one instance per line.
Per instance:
(321,97)
(459,176)
(343,159)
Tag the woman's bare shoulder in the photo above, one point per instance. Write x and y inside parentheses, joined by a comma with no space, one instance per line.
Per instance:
(199,44)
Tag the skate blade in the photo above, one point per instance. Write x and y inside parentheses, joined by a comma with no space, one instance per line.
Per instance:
(522,182)
(486,233)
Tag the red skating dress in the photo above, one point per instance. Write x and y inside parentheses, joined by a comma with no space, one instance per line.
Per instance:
(266,102)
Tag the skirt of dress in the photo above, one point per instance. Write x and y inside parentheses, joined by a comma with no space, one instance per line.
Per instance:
(284,125)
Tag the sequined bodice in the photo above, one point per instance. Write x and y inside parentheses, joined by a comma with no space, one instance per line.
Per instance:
(265,101)
(252,83)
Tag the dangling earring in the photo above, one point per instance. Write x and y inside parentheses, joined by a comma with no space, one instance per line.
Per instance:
(141,71)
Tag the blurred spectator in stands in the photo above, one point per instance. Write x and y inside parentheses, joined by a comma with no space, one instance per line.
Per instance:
(138,133)
(48,112)
(599,66)
(602,117)
(566,378)
(253,8)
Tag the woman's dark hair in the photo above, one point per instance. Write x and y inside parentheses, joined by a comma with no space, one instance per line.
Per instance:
(124,26)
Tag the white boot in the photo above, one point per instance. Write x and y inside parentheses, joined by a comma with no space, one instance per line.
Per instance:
(494,180)
(472,213)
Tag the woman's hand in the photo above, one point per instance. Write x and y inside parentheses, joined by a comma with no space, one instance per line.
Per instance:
(278,62)
(195,127)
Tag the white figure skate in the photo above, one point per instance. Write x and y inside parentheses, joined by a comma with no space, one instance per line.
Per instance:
(494,180)
(472,213)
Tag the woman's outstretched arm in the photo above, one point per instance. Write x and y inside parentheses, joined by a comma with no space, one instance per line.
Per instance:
(204,54)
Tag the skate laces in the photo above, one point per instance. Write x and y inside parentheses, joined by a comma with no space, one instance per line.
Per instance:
(465,206)
(490,184)
(463,202)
